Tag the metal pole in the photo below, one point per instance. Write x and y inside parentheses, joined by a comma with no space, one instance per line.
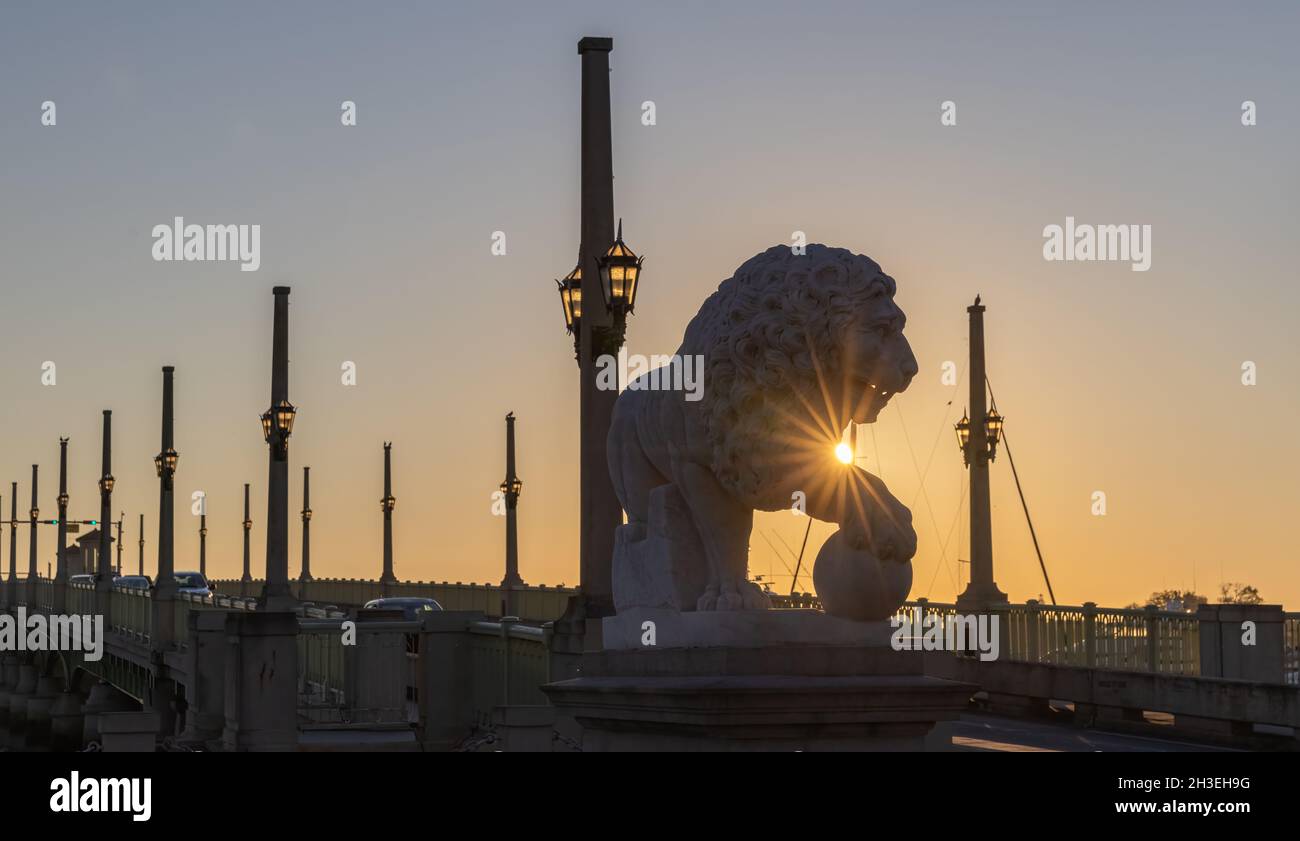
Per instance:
(982,590)
(166,581)
(104,565)
(60,588)
(246,580)
(600,511)
(306,573)
(388,502)
(276,593)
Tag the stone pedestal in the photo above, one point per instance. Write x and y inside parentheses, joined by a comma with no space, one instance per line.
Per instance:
(445,670)
(1225,651)
(754,680)
(205,719)
(261,682)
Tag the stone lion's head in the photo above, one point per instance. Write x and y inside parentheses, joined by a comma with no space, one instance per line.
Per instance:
(795,346)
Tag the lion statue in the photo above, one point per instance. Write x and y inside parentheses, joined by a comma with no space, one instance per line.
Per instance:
(793,347)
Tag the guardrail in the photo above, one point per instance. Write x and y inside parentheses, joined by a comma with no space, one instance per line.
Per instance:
(1291,648)
(511,662)
(1142,640)
(370,681)
(536,603)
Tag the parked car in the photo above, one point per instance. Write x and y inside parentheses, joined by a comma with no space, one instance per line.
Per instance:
(411,606)
(134,582)
(192,583)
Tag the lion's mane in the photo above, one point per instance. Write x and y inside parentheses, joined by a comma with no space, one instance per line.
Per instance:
(769,335)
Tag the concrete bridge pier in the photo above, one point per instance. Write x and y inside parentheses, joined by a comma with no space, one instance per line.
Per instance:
(48,689)
(206,717)
(261,681)
(67,721)
(23,691)
(8,681)
(103,698)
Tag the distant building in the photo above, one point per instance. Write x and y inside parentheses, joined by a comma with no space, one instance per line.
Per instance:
(81,558)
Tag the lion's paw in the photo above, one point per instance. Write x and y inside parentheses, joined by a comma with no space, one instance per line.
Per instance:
(731,595)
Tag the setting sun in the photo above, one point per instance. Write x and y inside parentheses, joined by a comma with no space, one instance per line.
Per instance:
(844,453)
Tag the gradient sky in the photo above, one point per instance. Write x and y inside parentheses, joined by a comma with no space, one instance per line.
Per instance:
(772,117)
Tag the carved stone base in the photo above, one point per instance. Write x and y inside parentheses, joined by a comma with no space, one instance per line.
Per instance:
(775,696)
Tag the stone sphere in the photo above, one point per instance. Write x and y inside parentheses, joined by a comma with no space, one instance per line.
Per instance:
(854,584)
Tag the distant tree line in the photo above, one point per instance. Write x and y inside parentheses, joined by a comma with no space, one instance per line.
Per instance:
(1231,592)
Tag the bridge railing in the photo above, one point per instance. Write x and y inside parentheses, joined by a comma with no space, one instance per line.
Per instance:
(131,612)
(81,598)
(370,681)
(1142,639)
(1291,648)
(511,662)
(535,603)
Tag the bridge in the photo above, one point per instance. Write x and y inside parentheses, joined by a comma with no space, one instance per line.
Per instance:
(218,673)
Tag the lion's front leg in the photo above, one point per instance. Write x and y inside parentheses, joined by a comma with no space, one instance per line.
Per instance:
(724,526)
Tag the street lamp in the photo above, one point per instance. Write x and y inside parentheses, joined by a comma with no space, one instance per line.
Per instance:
(571,299)
(512,488)
(963,437)
(992,435)
(993,430)
(388,503)
(106,484)
(620,269)
(165,464)
(277,426)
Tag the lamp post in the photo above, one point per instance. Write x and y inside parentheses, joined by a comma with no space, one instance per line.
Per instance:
(510,488)
(203,540)
(602,274)
(13,540)
(978,436)
(165,465)
(305,575)
(140,570)
(104,560)
(60,562)
(388,503)
(246,580)
(277,426)
(33,573)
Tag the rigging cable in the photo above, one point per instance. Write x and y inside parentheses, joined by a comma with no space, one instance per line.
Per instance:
(1023,504)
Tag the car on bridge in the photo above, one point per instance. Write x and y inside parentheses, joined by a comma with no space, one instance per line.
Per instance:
(192,583)
(82,579)
(412,607)
(133,582)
